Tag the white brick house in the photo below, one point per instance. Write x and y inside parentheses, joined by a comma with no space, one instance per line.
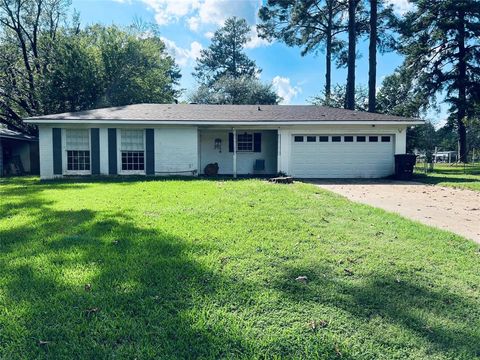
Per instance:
(180,139)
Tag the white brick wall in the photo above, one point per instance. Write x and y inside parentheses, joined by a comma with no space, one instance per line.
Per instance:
(46,152)
(104,151)
(176,150)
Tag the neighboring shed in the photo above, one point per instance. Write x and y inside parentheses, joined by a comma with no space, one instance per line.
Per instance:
(18,153)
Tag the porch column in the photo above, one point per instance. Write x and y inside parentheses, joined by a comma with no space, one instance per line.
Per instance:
(234,153)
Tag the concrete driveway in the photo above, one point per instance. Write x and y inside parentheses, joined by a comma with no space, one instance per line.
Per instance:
(456,210)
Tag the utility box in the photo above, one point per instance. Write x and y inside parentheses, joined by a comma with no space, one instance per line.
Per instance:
(404,164)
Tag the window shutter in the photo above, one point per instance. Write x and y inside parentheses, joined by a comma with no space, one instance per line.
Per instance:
(112,151)
(57,151)
(230,142)
(257,142)
(95,150)
(150,152)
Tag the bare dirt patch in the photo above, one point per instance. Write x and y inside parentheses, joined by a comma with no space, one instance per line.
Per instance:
(456,210)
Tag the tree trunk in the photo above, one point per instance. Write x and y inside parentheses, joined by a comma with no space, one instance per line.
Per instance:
(462,88)
(372,58)
(328,56)
(352,39)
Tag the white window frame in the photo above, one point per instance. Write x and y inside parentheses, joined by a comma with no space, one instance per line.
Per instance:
(65,153)
(246,142)
(119,154)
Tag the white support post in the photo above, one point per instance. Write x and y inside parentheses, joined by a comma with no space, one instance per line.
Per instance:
(234,153)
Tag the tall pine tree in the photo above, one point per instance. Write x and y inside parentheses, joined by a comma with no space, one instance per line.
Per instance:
(314,25)
(225,74)
(381,38)
(225,57)
(441,42)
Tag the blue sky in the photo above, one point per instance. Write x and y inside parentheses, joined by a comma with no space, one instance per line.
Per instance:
(187,25)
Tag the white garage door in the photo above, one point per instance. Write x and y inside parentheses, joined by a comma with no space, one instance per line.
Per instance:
(342,156)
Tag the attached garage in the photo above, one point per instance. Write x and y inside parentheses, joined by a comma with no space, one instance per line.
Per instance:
(342,155)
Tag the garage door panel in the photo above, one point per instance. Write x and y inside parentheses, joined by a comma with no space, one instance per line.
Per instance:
(342,159)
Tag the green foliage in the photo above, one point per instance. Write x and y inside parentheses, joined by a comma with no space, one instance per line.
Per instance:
(107,66)
(136,69)
(440,41)
(397,95)
(422,138)
(224,72)
(312,25)
(195,269)
(74,78)
(225,56)
(337,98)
(430,42)
(27,34)
(239,91)
(49,68)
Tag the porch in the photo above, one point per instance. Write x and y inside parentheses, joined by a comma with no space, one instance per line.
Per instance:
(239,151)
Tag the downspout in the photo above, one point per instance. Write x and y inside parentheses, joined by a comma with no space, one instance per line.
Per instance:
(234,153)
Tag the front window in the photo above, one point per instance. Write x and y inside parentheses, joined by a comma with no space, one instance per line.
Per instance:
(245,142)
(132,150)
(78,149)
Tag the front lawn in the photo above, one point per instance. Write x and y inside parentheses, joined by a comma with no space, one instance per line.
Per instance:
(458,176)
(207,269)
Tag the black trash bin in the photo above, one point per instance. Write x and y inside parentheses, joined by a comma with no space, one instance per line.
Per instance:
(404,164)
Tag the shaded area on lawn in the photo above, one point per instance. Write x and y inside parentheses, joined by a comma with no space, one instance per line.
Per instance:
(429,312)
(157,294)
(142,284)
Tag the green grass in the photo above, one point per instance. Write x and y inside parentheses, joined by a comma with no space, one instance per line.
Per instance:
(207,269)
(458,176)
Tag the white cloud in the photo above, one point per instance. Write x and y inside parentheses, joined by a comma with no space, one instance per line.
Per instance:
(193,23)
(205,14)
(217,11)
(183,56)
(284,89)
(209,34)
(202,12)
(167,11)
(401,6)
(256,41)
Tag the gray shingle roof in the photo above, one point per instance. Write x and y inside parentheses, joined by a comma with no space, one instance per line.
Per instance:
(223,113)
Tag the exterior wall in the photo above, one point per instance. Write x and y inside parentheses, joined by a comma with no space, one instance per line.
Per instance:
(401,141)
(285,135)
(103,151)
(46,152)
(184,149)
(245,160)
(176,150)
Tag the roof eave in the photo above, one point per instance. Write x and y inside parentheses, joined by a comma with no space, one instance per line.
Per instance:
(229,123)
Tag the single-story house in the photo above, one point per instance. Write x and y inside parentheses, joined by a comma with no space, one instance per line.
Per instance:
(182,139)
(18,153)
